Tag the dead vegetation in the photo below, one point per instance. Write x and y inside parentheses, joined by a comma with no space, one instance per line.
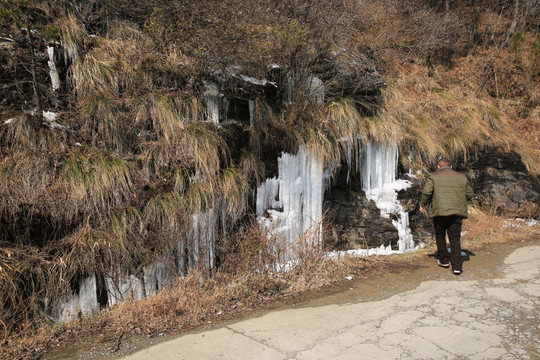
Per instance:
(137,157)
(246,279)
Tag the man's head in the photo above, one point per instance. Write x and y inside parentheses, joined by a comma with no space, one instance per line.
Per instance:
(443,162)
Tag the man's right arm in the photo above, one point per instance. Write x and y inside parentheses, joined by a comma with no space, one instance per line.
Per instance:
(427,192)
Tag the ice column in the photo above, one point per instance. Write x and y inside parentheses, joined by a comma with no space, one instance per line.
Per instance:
(122,286)
(53,71)
(211,97)
(84,302)
(380,183)
(293,200)
(155,278)
(251,105)
(202,241)
(316,89)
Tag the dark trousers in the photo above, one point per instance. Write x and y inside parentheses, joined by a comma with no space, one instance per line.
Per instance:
(450,225)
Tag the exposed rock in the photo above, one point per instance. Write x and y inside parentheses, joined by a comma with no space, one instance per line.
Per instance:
(356,221)
(351,73)
(503,184)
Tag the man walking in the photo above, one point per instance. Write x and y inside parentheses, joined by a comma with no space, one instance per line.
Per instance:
(447,192)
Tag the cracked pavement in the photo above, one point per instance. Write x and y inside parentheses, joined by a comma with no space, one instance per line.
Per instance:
(454,318)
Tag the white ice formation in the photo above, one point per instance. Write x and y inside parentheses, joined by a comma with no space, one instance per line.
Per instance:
(316,89)
(211,97)
(202,241)
(121,285)
(53,71)
(293,200)
(379,181)
(290,206)
(83,302)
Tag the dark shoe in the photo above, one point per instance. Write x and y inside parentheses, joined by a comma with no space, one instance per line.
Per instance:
(457,271)
(443,263)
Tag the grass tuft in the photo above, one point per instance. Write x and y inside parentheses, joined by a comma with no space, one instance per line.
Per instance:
(96,183)
(73,33)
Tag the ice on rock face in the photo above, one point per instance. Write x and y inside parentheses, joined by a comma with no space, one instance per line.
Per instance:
(53,71)
(379,181)
(294,199)
(202,241)
(122,286)
(211,98)
(155,278)
(84,302)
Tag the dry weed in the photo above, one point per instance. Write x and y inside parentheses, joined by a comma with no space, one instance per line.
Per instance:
(484,227)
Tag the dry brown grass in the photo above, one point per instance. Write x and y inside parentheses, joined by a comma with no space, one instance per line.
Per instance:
(484,228)
(20,307)
(438,118)
(247,279)
(24,183)
(95,183)
(73,35)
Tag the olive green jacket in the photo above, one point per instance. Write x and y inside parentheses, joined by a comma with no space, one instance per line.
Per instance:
(447,192)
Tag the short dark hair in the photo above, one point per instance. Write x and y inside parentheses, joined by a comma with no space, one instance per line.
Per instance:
(444,162)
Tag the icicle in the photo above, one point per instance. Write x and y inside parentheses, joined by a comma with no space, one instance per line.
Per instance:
(88,295)
(316,89)
(293,200)
(251,104)
(211,97)
(84,302)
(379,173)
(122,286)
(181,251)
(267,196)
(155,278)
(202,241)
(53,71)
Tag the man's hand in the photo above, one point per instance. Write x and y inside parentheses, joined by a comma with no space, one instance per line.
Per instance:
(423,211)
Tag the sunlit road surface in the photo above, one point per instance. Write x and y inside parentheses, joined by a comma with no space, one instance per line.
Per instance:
(454,317)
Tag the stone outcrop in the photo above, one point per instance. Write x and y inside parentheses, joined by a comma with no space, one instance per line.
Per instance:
(503,184)
(355,220)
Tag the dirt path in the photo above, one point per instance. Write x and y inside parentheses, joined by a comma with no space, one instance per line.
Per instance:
(490,312)
(483,266)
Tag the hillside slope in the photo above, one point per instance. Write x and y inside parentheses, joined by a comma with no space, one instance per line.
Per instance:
(122,125)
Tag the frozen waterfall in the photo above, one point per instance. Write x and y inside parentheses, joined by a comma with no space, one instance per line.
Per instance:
(293,200)
(290,206)
(379,181)
(84,302)
(53,71)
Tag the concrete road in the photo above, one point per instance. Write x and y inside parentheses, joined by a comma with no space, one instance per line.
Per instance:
(458,317)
